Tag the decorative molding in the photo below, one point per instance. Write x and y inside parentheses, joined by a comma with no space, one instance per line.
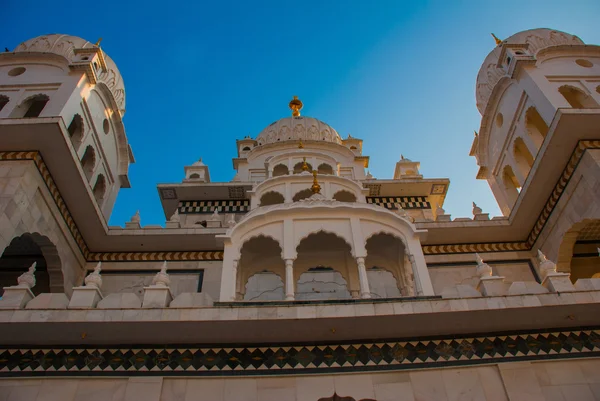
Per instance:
(405,202)
(153,256)
(209,206)
(475,248)
(297,358)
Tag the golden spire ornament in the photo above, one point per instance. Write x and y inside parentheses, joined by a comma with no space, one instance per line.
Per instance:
(296,105)
(315,188)
(300,145)
(304,165)
(98,42)
(498,41)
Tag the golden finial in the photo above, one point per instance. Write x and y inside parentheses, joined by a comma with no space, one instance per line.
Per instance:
(296,105)
(98,42)
(300,145)
(498,41)
(304,165)
(315,188)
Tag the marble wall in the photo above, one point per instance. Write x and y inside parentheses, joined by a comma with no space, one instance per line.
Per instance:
(576,380)
(120,277)
(449,276)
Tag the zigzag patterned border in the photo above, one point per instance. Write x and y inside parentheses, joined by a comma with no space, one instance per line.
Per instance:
(154,256)
(559,188)
(297,359)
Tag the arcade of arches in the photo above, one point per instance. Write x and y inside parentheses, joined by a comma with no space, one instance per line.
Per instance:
(323,269)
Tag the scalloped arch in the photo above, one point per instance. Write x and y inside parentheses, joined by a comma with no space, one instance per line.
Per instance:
(298,241)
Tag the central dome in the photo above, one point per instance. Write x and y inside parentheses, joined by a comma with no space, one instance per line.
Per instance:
(296,129)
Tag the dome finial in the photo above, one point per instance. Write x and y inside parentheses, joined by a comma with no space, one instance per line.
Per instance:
(97,44)
(498,41)
(300,145)
(304,165)
(296,105)
(315,188)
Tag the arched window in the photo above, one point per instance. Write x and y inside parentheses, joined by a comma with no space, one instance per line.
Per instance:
(3,101)
(304,194)
(75,130)
(32,107)
(325,169)
(271,198)
(246,149)
(88,161)
(523,157)
(279,170)
(577,98)
(344,196)
(298,167)
(100,189)
(536,126)
(194,175)
(511,184)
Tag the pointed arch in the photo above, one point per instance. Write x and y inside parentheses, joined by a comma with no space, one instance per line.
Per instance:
(76,130)
(577,98)
(88,161)
(536,126)
(280,169)
(100,189)
(264,285)
(325,168)
(31,107)
(304,194)
(25,249)
(344,196)
(271,198)
(511,184)
(523,157)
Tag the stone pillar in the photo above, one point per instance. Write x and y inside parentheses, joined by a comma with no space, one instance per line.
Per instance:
(16,297)
(365,292)
(290,293)
(234,270)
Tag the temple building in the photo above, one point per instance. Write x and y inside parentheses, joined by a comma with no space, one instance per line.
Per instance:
(303,278)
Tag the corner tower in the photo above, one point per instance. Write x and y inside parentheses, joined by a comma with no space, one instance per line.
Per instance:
(522,85)
(66,79)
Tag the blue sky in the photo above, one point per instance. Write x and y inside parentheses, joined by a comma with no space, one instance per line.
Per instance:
(398,74)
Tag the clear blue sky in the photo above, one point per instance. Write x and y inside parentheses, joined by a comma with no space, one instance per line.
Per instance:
(198,75)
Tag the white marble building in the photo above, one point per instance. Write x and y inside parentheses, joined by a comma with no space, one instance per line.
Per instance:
(304,278)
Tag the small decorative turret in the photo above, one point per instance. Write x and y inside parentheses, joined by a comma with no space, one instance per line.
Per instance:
(136,217)
(476,209)
(162,278)
(546,266)
(483,269)
(296,105)
(27,279)
(94,279)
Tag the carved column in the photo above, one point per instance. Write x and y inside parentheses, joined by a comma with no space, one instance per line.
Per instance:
(290,293)
(417,279)
(365,292)
(234,267)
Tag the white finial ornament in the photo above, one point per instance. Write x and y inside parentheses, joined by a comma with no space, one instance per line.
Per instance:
(94,279)
(162,278)
(483,269)
(476,209)
(231,221)
(546,266)
(439,210)
(27,279)
(136,217)
(369,176)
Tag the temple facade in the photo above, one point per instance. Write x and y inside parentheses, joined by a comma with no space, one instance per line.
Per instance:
(303,278)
